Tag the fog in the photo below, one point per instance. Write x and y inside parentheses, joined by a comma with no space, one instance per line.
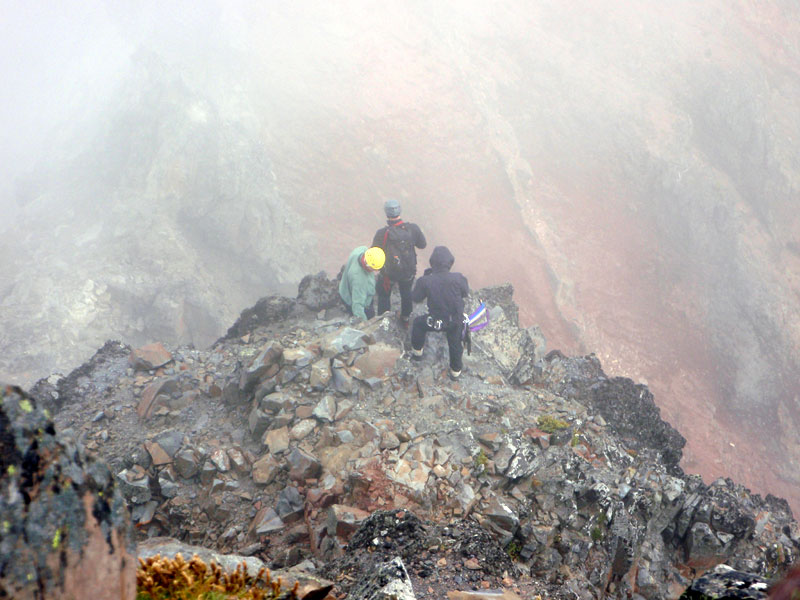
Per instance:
(630,167)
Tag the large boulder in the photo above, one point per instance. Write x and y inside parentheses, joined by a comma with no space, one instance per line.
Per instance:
(503,339)
(268,310)
(317,292)
(632,413)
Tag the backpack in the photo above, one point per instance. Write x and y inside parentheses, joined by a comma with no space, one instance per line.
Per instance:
(401,258)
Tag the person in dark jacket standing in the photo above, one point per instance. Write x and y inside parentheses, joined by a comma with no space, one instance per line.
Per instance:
(399,241)
(445,293)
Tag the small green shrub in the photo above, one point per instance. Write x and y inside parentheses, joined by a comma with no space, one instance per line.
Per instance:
(481,460)
(513,550)
(550,424)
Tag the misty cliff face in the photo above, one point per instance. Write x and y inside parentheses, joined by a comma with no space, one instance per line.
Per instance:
(631,168)
(161,224)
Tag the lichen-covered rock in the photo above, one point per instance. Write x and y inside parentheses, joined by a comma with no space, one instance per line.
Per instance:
(724,583)
(65,529)
(389,581)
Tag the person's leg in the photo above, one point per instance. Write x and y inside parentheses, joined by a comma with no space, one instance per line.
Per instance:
(369,310)
(405,297)
(419,330)
(383,289)
(455,348)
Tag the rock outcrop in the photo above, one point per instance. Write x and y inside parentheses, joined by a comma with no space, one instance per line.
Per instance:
(64,530)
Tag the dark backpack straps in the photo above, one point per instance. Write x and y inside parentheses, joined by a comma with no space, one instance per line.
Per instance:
(386,231)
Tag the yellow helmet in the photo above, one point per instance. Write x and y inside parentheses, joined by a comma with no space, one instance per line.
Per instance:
(374,258)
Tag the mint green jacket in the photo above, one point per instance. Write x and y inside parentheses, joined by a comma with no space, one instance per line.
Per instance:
(357,287)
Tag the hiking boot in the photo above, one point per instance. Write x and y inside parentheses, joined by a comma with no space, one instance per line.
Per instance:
(454,374)
(416,354)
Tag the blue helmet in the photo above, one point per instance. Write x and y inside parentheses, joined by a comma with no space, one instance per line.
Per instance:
(391,208)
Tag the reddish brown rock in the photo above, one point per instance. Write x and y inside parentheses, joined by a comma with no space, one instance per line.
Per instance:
(344,520)
(150,402)
(379,361)
(157,453)
(265,469)
(277,440)
(151,356)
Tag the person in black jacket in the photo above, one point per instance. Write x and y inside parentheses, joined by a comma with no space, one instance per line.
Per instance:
(399,241)
(445,293)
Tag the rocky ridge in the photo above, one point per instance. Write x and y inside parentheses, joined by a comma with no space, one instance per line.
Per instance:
(303,439)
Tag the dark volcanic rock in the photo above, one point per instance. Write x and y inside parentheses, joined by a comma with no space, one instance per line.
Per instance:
(399,534)
(723,583)
(266,311)
(98,373)
(317,292)
(628,407)
(65,530)
(632,413)
(388,581)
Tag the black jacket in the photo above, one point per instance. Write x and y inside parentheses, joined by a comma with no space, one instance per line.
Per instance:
(418,238)
(445,291)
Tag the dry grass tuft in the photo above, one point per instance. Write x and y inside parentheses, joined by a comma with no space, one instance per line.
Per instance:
(159,578)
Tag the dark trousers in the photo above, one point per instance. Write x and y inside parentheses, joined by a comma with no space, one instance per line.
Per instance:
(368,309)
(385,296)
(420,329)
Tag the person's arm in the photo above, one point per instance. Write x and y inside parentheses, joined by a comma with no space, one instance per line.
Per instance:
(464,287)
(419,292)
(420,242)
(378,239)
(359,302)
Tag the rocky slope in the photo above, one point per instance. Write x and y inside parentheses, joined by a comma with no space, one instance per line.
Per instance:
(536,473)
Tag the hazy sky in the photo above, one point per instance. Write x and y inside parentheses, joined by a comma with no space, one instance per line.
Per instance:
(63,58)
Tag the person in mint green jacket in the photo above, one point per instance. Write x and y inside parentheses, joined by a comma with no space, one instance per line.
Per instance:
(357,287)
